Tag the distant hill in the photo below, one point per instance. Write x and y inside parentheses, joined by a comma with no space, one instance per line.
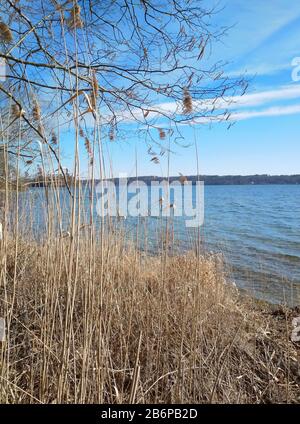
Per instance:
(227,179)
(208,180)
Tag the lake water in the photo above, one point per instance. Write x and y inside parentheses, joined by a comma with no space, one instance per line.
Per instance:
(256,227)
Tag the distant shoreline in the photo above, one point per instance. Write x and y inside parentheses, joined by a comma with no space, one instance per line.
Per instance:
(224,179)
(208,180)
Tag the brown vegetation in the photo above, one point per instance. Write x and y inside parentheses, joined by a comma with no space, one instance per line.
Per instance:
(108,325)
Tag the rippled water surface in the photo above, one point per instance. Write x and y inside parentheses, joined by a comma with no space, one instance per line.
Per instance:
(256,227)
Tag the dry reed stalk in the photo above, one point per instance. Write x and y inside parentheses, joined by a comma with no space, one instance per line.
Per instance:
(136,374)
(200,341)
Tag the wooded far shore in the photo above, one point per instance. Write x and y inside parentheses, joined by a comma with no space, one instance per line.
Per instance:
(208,179)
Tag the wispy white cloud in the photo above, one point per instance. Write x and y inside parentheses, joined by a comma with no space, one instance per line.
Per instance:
(250,114)
(261,69)
(271,111)
(236,105)
(264,39)
(288,92)
(232,104)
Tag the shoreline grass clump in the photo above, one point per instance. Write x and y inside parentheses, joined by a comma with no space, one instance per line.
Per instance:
(110,324)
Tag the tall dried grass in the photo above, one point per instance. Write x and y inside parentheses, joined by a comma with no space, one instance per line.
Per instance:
(79,326)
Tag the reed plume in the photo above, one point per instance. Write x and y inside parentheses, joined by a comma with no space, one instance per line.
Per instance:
(53,137)
(162,133)
(111,133)
(81,132)
(16,111)
(87,146)
(155,160)
(36,111)
(60,7)
(182,178)
(187,102)
(74,21)
(95,92)
(5,33)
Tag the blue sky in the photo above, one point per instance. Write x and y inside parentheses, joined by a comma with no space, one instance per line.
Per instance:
(263,41)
